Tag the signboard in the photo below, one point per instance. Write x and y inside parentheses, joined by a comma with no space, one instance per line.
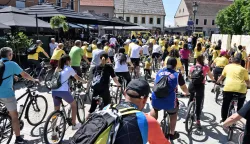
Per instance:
(190,23)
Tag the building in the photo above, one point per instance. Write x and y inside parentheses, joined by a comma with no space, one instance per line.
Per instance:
(204,19)
(148,13)
(100,7)
(71,4)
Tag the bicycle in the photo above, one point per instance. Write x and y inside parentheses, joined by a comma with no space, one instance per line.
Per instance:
(165,124)
(32,71)
(117,96)
(80,113)
(6,130)
(48,77)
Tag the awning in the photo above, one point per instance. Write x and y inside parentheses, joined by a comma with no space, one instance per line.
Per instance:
(3,26)
(125,28)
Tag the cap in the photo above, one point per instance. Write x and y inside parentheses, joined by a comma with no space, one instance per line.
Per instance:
(140,86)
(223,53)
(171,63)
(85,42)
(39,41)
(99,43)
(127,41)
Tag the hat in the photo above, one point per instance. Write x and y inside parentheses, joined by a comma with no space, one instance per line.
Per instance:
(127,41)
(85,43)
(140,86)
(171,63)
(39,42)
(223,53)
(99,43)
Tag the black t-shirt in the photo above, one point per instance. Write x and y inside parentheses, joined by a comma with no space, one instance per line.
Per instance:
(245,113)
(181,80)
(107,72)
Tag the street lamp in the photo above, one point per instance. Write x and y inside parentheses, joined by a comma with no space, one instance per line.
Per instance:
(195,9)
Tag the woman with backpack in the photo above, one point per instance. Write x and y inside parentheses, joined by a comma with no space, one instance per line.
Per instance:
(197,85)
(63,92)
(121,65)
(185,53)
(101,82)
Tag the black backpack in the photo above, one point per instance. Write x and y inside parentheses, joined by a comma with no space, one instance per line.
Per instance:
(197,76)
(97,81)
(2,69)
(89,48)
(161,88)
(55,82)
(32,49)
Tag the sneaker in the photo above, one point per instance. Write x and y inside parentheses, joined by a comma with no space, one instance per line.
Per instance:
(77,126)
(176,135)
(198,125)
(20,141)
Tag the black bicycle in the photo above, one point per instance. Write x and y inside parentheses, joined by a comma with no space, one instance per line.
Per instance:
(165,124)
(6,130)
(116,95)
(80,113)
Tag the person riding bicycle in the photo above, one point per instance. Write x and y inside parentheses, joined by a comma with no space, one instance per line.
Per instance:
(138,128)
(63,92)
(156,53)
(126,46)
(57,54)
(175,45)
(104,71)
(87,55)
(175,54)
(111,52)
(88,49)
(185,54)
(134,52)
(216,52)
(197,52)
(147,68)
(170,102)
(244,112)
(236,83)
(243,53)
(7,95)
(197,85)
(33,59)
(121,65)
(145,49)
(219,63)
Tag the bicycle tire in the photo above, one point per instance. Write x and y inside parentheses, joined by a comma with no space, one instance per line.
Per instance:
(29,106)
(230,134)
(55,113)
(165,125)
(190,115)
(2,131)
(48,78)
(118,95)
(240,139)
(80,105)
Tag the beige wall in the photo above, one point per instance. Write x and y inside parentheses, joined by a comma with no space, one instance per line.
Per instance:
(98,10)
(182,10)
(209,21)
(181,21)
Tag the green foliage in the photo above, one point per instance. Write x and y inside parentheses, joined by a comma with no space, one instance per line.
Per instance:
(235,19)
(59,21)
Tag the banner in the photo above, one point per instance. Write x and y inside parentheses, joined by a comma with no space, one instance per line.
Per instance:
(245,41)
(236,39)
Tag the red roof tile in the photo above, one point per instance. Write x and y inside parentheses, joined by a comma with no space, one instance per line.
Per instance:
(108,3)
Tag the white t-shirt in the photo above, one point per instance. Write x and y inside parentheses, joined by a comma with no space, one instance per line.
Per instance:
(189,39)
(145,50)
(65,75)
(113,41)
(52,47)
(135,51)
(118,66)
(156,49)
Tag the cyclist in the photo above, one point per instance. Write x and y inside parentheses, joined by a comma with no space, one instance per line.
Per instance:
(138,128)
(197,52)
(175,54)
(175,45)
(199,89)
(235,84)
(243,53)
(86,55)
(185,54)
(219,63)
(126,45)
(63,92)
(134,52)
(244,112)
(147,68)
(106,47)
(170,102)
(121,65)
(7,95)
(57,54)
(111,52)
(145,48)
(107,72)
(216,52)
(34,58)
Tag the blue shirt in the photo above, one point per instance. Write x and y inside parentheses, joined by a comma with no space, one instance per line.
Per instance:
(169,102)
(11,68)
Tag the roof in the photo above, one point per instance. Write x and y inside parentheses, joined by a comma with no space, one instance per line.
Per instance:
(207,7)
(11,9)
(3,26)
(152,7)
(103,3)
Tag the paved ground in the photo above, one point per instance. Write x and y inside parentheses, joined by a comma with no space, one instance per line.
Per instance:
(211,132)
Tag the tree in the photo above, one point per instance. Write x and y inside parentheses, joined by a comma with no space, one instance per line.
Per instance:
(58,22)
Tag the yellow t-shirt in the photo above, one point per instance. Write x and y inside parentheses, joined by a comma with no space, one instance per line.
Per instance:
(216,53)
(197,53)
(57,54)
(236,76)
(148,65)
(243,53)
(35,55)
(152,41)
(221,61)
(178,66)
(169,49)
(162,42)
(106,49)
(175,47)
(86,53)
(126,49)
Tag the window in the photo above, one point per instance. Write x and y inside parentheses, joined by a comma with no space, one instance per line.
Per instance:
(213,22)
(20,4)
(72,4)
(143,20)
(59,3)
(128,19)
(91,11)
(106,15)
(205,21)
(120,17)
(41,1)
(158,20)
(135,19)
(197,21)
(151,20)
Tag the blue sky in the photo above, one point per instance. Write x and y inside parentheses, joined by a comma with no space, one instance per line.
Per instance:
(170,8)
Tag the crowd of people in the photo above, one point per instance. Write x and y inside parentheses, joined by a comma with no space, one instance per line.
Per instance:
(114,58)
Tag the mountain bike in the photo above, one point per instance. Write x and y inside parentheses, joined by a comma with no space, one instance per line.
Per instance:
(116,95)
(80,105)
(165,124)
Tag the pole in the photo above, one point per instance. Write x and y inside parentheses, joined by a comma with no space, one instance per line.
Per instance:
(123,13)
(37,35)
(194,22)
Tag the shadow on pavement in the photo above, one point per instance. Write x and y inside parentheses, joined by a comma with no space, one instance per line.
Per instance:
(184,139)
(182,111)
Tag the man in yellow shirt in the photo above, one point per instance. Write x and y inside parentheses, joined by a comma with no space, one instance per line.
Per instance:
(57,54)
(84,48)
(87,50)
(147,68)
(236,83)
(175,45)
(219,63)
(106,47)
(33,59)
(126,45)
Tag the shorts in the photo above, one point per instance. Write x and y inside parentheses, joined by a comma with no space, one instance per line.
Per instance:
(10,103)
(78,70)
(135,61)
(157,55)
(59,95)
(54,63)
(171,111)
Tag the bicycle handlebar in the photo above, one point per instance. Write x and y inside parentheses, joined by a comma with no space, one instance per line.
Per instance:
(114,85)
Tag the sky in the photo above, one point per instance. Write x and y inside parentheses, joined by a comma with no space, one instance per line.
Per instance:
(170,8)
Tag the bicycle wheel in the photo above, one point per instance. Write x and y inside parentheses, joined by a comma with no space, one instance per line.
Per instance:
(36,110)
(118,96)
(165,125)
(80,110)
(48,78)
(230,131)
(54,128)
(189,122)
(240,139)
(6,130)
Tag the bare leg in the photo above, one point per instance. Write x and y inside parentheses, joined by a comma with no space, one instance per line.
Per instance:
(73,107)
(173,120)
(154,113)
(15,122)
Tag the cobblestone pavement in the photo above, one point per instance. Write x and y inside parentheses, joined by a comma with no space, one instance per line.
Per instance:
(211,132)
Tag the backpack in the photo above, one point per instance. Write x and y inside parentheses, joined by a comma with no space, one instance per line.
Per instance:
(161,88)
(32,49)
(97,82)
(111,52)
(2,69)
(89,48)
(102,126)
(55,82)
(197,76)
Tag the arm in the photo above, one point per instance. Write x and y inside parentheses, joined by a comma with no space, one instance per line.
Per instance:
(86,59)
(27,76)
(210,75)
(220,79)
(231,120)
(184,89)
(116,81)
(79,78)
(46,54)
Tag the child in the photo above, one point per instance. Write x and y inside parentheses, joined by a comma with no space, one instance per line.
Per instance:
(147,68)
